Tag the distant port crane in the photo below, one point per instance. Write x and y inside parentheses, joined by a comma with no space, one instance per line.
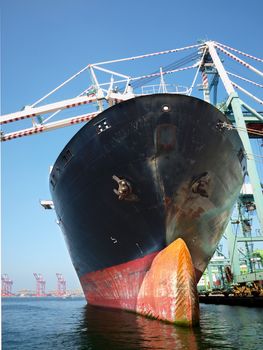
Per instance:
(62,285)
(40,285)
(6,287)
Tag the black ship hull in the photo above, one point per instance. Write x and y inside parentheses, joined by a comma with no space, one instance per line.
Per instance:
(142,174)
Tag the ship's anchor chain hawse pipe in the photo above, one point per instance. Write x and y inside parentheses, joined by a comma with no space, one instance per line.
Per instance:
(200,185)
(124,191)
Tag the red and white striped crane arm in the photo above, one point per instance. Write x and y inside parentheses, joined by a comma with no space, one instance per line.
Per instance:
(99,93)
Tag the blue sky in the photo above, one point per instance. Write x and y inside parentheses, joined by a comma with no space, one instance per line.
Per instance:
(45,42)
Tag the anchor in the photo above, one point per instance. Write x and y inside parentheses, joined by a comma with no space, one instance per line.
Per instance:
(124,191)
(201,185)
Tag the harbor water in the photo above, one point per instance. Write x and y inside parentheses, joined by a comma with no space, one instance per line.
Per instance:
(53,323)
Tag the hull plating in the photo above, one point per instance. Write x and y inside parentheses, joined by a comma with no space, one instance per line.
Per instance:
(184,175)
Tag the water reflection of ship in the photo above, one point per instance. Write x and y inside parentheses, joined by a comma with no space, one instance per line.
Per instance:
(103,328)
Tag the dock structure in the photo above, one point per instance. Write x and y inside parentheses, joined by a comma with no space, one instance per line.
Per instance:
(231,300)
(242,263)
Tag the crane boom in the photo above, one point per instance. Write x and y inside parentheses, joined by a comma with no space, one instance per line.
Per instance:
(112,91)
(50,126)
(52,107)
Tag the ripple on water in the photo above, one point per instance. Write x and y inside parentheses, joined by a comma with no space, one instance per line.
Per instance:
(69,324)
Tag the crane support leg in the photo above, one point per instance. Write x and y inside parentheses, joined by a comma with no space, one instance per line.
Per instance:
(233,251)
(251,165)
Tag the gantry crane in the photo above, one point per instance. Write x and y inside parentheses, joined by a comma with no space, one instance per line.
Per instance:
(40,285)
(6,286)
(62,285)
(108,86)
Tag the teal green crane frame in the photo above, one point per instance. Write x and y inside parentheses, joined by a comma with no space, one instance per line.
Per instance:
(234,106)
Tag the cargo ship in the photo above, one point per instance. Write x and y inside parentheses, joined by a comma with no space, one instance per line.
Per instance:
(143,193)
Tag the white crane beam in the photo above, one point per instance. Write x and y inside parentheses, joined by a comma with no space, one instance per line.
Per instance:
(32,112)
(220,68)
(50,126)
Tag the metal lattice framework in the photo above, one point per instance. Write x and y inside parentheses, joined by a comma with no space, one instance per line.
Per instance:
(40,285)
(61,285)
(110,87)
(6,286)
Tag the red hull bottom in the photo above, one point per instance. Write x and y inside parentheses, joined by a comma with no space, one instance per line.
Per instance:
(142,285)
(117,286)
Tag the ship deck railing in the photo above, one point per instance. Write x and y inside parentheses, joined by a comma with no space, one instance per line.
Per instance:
(164,88)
